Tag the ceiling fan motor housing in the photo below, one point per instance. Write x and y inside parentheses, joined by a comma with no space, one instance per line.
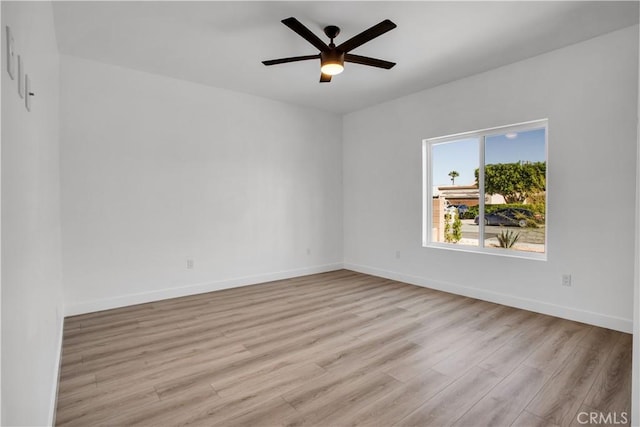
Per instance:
(331,31)
(332,57)
(332,62)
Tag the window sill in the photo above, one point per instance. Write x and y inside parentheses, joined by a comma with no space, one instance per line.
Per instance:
(510,253)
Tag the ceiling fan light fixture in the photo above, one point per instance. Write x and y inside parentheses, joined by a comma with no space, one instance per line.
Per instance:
(332,68)
(332,62)
(332,57)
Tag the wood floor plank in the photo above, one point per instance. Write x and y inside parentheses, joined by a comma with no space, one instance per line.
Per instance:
(527,419)
(445,407)
(559,344)
(611,391)
(164,412)
(438,346)
(78,383)
(200,410)
(510,356)
(265,361)
(562,395)
(329,324)
(400,402)
(275,330)
(94,410)
(173,377)
(345,398)
(597,338)
(270,413)
(458,363)
(276,381)
(504,403)
(335,349)
(323,386)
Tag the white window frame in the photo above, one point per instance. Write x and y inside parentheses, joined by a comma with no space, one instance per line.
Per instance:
(427,190)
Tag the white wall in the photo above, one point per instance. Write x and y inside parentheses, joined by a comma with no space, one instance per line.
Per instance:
(157,170)
(31,265)
(589,93)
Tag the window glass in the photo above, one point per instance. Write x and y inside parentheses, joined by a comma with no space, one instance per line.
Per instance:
(455,193)
(487,190)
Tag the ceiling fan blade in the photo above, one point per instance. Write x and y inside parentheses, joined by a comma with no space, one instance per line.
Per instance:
(367,35)
(325,78)
(365,60)
(305,33)
(291,59)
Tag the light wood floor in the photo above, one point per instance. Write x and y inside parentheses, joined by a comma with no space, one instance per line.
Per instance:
(337,349)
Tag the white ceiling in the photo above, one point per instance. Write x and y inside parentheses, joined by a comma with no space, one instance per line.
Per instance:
(221,44)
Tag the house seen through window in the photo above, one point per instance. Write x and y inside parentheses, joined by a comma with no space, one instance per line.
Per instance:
(486,190)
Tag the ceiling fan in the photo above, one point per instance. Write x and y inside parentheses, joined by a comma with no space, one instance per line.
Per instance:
(332,57)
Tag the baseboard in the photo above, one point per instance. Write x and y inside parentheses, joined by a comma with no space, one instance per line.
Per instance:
(570,313)
(591,318)
(200,288)
(54,389)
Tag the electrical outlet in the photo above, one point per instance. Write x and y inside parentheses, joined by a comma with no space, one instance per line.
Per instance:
(566,280)
(189,264)
(397,254)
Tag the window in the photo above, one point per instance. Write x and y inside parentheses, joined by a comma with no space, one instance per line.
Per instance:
(486,191)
